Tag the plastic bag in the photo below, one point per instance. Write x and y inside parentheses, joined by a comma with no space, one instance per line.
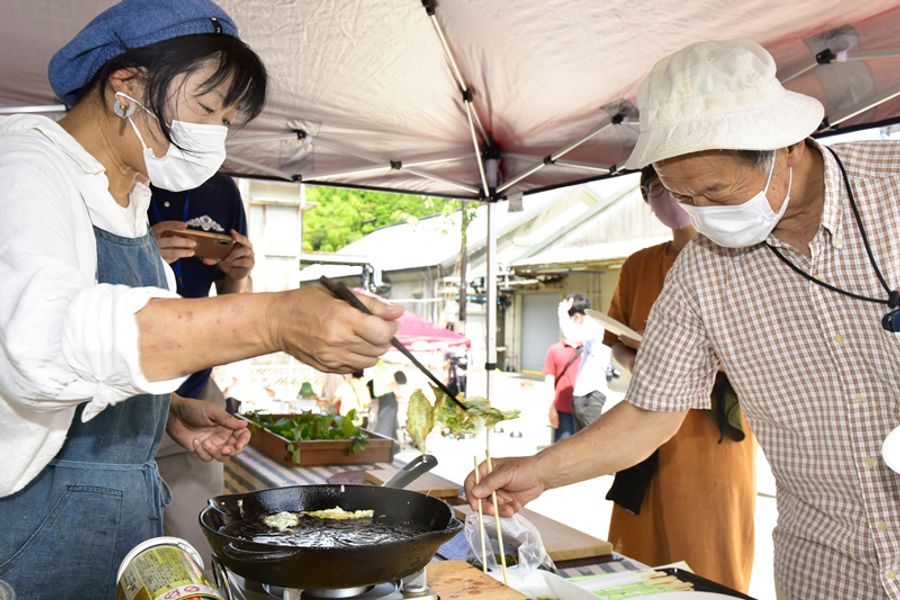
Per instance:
(524,549)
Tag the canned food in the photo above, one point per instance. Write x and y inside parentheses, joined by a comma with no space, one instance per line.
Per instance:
(164,568)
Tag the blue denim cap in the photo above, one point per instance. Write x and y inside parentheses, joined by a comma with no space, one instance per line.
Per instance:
(127,25)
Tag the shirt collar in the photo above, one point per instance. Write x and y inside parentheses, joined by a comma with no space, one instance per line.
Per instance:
(832,208)
(54,132)
(833,198)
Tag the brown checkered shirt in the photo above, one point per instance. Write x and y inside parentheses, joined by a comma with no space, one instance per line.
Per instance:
(817,375)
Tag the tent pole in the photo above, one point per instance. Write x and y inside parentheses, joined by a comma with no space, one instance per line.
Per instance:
(829,57)
(280,137)
(881,99)
(579,165)
(380,161)
(454,66)
(17,110)
(462,186)
(254,165)
(478,157)
(491,301)
(552,158)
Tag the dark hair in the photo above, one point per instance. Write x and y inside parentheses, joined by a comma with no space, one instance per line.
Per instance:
(580,304)
(357,374)
(166,60)
(648,176)
(400,377)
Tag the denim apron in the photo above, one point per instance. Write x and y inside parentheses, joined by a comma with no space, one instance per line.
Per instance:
(64,535)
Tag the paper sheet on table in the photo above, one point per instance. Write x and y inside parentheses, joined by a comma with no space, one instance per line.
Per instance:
(613,326)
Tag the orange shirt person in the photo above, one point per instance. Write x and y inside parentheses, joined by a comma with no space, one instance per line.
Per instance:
(693,500)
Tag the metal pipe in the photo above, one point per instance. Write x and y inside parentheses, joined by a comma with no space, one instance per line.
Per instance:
(262,139)
(491,276)
(531,171)
(454,66)
(801,71)
(349,172)
(254,165)
(553,158)
(462,186)
(478,157)
(881,99)
(584,166)
(16,110)
(870,54)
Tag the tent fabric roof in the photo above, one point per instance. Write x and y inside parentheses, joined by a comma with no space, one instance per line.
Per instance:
(369,84)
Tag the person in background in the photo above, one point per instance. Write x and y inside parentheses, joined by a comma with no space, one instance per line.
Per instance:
(383,388)
(705,476)
(560,371)
(95,338)
(590,390)
(353,394)
(215,206)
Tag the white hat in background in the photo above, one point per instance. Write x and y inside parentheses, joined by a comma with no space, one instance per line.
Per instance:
(718,96)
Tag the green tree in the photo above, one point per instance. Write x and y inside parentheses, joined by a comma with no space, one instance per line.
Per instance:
(340,216)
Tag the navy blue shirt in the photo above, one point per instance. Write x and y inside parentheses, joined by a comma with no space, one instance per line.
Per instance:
(215,207)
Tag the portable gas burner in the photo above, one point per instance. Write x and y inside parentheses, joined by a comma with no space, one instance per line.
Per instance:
(235,587)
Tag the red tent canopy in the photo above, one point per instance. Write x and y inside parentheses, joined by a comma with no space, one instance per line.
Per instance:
(419,335)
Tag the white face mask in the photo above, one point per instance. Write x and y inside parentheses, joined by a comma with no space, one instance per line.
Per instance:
(181,169)
(740,225)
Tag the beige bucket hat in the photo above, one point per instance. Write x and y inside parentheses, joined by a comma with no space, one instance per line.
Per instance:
(720,95)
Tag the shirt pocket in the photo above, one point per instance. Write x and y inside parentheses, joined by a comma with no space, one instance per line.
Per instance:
(76,541)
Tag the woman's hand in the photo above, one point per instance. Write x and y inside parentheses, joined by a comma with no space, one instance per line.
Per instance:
(328,334)
(173,247)
(206,429)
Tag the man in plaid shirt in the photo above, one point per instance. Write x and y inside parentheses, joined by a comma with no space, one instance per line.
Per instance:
(786,290)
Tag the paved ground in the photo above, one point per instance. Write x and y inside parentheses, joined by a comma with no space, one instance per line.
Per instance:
(582,506)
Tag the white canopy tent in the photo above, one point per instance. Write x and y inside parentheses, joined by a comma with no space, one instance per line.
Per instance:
(484,99)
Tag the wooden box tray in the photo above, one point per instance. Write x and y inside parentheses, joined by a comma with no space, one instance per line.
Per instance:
(380,449)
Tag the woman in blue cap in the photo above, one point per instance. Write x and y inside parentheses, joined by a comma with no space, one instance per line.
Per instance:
(92,341)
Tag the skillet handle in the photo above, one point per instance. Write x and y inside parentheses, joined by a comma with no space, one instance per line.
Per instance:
(411,471)
(235,551)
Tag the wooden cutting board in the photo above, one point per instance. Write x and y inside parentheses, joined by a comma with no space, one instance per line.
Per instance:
(561,541)
(453,579)
(429,483)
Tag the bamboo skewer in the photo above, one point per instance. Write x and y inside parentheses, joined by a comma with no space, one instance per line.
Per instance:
(484,565)
(497,518)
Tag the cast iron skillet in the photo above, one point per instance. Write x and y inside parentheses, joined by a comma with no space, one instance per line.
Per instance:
(428,522)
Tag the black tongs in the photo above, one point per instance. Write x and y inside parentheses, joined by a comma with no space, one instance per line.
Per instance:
(341,291)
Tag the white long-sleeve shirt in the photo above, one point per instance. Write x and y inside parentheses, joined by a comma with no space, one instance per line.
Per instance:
(65,339)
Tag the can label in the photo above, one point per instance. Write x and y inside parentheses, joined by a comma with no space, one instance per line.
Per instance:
(164,572)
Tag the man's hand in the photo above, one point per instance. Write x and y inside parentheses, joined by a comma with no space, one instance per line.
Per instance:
(553,417)
(207,430)
(517,481)
(562,310)
(328,334)
(173,247)
(239,262)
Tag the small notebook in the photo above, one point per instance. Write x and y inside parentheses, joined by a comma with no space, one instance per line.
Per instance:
(614,326)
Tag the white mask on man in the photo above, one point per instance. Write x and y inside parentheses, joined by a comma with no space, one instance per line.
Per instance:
(740,225)
(196,155)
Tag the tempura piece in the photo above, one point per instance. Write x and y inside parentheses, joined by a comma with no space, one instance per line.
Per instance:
(419,419)
(282,521)
(338,513)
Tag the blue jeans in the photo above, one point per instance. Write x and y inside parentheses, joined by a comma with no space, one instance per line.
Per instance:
(566,427)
